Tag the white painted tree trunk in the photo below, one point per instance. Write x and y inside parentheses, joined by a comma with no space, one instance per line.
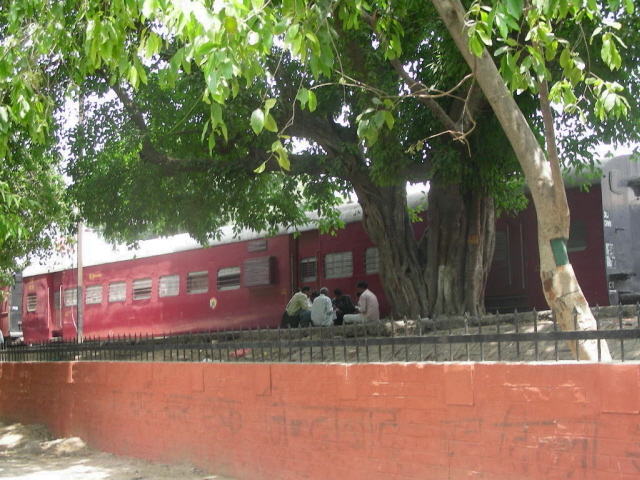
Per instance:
(559,282)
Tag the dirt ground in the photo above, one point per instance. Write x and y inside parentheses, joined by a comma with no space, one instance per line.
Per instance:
(28,452)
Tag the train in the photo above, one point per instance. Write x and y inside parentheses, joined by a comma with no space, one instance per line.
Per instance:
(603,240)
(173,284)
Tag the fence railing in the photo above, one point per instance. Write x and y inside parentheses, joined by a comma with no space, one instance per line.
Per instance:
(514,337)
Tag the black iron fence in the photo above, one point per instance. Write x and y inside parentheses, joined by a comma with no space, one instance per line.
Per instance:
(517,337)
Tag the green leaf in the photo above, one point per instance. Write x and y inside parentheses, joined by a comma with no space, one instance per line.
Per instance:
(372,135)
(388,118)
(609,101)
(515,8)
(216,114)
(257,120)
(629,6)
(303,96)
(378,119)
(283,159)
(313,40)
(205,129)
(475,46)
(270,123)
(212,142)
(363,126)
(312,101)
(269,103)
(486,39)
(565,59)
(280,28)
(502,25)
(231,25)
(261,168)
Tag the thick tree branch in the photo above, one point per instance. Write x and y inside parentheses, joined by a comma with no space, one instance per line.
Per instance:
(416,87)
(308,164)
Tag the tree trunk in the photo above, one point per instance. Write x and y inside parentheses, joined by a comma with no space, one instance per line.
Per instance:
(481,241)
(459,242)
(559,282)
(446,272)
(386,220)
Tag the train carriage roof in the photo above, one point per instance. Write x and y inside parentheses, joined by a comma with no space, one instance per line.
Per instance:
(97,251)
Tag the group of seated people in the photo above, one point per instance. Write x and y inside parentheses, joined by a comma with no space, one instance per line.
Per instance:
(316,308)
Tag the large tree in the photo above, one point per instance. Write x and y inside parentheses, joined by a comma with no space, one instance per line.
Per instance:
(378,90)
(542,169)
(143,151)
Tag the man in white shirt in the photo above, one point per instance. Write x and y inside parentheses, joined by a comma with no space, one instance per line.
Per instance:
(322,309)
(368,307)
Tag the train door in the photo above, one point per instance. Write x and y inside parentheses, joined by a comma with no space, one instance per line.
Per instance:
(55,302)
(15,308)
(506,286)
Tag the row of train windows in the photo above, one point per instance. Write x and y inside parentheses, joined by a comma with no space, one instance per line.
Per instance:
(168,286)
(335,265)
(338,265)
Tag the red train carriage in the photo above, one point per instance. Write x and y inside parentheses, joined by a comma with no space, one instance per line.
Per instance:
(514,279)
(602,246)
(174,285)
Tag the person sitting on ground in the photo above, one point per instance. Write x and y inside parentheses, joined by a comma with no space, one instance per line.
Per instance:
(305,320)
(298,310)
(343,305)
(368,307)
(322,309)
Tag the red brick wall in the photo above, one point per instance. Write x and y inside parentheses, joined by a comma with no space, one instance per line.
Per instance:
(376,421)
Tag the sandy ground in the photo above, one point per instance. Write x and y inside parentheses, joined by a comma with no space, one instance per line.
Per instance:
(29,453)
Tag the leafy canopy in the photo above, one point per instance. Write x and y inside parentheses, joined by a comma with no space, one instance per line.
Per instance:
(235,73)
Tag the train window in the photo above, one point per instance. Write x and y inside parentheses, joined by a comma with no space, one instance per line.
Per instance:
(169,286)
(117,292)
(93,295)
(198,282)
(308,270)
(258,271)
(70,297)
(32,302)
(338,265)
(371,260)
(229,278)
(142,289)
(577,236)
(56,300)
